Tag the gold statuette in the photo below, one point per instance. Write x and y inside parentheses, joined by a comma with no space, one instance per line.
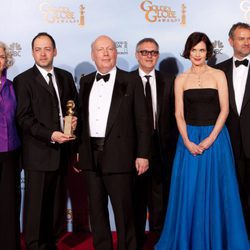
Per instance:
(68,130)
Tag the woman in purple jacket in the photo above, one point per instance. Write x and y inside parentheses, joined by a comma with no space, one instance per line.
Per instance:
(9,158)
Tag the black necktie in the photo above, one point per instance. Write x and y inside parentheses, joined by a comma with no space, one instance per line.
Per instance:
(149,101)
(243,62)
(51,86)
(104,77)
(55,100)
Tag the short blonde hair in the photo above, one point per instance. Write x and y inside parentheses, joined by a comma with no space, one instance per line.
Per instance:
(9,57)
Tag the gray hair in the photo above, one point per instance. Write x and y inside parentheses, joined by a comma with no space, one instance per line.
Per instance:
(146,40)
(9,57)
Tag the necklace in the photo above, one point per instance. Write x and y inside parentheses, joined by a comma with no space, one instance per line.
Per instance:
(198,76)
(199,80)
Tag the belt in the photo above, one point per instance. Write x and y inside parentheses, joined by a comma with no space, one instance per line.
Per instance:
(97,143)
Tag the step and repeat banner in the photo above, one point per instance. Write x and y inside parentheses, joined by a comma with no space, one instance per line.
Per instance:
(75,24)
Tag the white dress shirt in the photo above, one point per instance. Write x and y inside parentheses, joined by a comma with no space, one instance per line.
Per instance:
(152,81)
(239,82)
(99,104)
(45,75)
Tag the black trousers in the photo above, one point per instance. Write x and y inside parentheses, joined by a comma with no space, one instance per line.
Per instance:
(117,187)
(9,201)
(243,173)
(44,208)
(151,194)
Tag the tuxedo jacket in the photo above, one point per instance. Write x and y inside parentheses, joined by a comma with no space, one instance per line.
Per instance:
(37,117)
(238,124)
(127,133)
(165,119)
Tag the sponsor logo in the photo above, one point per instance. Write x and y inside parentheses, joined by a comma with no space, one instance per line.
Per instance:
(69,215)
(163,13)
(218,46)
(122,47)
(62,14)
(245,7)
(22,183)
(15,49)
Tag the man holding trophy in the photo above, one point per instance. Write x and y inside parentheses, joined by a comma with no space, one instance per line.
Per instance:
(45,96)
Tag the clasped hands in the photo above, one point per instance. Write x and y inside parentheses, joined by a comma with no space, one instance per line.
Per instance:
(198,149)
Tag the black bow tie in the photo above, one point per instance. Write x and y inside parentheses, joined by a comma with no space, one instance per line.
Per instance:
(243,62)
(104,77)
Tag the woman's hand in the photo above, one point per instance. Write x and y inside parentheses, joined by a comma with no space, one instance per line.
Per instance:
(206,143)
(194,148)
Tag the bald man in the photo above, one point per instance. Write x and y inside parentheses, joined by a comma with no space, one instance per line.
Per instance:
(115,142)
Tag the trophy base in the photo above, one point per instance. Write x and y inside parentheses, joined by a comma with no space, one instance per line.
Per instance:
(73,137)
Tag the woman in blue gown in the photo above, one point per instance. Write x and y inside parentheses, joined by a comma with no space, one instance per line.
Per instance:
(204,210)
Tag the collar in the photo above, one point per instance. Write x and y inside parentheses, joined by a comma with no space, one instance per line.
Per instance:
(142,73)
(111,72)
(45,72)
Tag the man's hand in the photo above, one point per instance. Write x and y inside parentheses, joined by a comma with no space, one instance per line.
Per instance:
(60,137)
(141,165)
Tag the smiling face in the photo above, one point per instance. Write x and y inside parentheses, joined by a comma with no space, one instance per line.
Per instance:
(147,55)
(240,41)
(198,54)
(104,54)
(44,52)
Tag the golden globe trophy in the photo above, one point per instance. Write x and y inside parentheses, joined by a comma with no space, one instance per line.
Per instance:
(68,130)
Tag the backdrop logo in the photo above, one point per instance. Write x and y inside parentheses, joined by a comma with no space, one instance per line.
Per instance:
(62,14)
(122,47)
(162,13)
(69,215)
(218,46)
(15,49)
(245,7)
(22,183)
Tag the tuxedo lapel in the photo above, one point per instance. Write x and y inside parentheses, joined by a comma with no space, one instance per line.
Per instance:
(86,93)
(159,94)
(229,73)
(59,82)
(118,93)
(246,93)
(40,80)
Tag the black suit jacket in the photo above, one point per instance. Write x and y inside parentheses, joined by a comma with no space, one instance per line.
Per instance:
(37,118)
(238,124)
(165,120)
(127,132)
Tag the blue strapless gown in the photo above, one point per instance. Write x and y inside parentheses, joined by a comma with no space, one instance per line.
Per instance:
(204,209)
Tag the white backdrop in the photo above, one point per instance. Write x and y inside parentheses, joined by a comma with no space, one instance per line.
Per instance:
(75,24)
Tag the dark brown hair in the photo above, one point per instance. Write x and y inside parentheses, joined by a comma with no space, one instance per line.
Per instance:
(193,40)
(44,34)
(237,25)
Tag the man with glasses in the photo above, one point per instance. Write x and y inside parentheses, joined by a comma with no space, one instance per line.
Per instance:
(152,187)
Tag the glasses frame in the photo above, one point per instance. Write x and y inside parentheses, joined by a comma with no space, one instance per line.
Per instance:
(147,52)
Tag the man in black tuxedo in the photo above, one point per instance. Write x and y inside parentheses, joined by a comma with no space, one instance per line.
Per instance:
(152,187)
(238,121)
(42,93)
(115,140)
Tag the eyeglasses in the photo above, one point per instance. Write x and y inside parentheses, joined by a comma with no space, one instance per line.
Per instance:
(147,52)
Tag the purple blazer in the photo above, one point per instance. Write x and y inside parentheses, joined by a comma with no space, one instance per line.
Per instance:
(9,139)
